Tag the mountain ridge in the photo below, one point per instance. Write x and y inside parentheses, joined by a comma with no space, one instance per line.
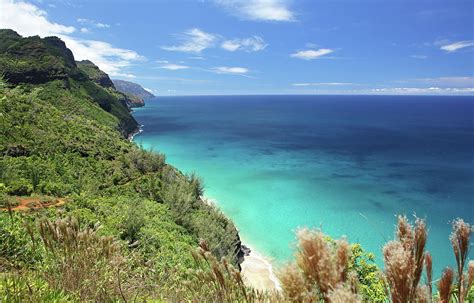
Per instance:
(135,91)
(34,61)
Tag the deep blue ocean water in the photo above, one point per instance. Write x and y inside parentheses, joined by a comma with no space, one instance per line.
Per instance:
(345,164)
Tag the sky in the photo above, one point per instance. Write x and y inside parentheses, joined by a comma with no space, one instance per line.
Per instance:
(221,47)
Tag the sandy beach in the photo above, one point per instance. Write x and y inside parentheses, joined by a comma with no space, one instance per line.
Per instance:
(258,272)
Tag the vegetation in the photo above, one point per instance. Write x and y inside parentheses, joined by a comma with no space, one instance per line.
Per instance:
(134,91)
(88,216)
(64,138)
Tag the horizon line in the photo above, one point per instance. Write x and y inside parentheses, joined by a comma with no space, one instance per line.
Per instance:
(276,94)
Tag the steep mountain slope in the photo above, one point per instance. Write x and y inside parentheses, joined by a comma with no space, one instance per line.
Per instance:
(102,79)
(136,92)
(50,64)
(95,74)
(62,138)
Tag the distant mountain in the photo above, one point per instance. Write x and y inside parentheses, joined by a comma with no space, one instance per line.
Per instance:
(135,91)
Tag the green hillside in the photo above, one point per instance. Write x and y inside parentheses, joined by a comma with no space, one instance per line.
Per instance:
(63,139)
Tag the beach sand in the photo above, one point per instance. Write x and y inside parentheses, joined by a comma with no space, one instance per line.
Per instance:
(258,272)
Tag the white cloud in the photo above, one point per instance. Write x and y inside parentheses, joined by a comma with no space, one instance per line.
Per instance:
(172,66)
(452,47)
(259,10)
(231,70)
(253,44)
(460,82)
(434,90)
(84,30)
(418,56)
(193,41)
(29,20)
(102,25)
(108,58)
(423,91)
(93,23)
(323,84)
(149,90)
(197,58)
(311,54)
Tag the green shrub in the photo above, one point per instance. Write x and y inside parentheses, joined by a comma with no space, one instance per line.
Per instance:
(54,188)
(20,187)
(16,246)
(24,286)
(132,224)
(7,201)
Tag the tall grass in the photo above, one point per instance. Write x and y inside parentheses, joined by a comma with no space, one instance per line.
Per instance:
(81,262)
(405,259)
(77,264)
(321,271)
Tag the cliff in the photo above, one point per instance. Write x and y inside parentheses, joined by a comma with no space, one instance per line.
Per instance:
(95,74)
(135,91)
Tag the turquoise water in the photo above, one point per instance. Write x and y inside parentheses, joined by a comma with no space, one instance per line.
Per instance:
(345,164)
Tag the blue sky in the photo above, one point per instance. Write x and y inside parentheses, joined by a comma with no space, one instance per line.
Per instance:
(265,46)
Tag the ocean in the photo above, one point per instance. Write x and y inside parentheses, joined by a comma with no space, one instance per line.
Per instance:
(345,164)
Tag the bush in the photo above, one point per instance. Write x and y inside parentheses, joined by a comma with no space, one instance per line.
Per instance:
(20,187)
(16,246)
(371,282)
(54,188)
(29,287)
(132,225)
(7,201)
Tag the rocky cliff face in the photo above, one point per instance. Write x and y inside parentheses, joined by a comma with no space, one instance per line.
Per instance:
(39,61)
(136,92)
(103,80)
(95,74)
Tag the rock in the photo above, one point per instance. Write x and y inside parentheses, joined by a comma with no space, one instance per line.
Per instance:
(136,93)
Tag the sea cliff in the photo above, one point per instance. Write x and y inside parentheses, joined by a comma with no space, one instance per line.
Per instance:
(64,138)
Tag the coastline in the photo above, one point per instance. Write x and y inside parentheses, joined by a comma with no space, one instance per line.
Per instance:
(258,273)
(256,268)
(132,135)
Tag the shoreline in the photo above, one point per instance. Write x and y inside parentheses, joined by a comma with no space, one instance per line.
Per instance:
(137,131)
(256,268)
(257,271)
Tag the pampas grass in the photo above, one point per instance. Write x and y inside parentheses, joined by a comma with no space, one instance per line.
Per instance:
(460,241)
(444,285)
(405,258)
(320,272)
(81,262)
